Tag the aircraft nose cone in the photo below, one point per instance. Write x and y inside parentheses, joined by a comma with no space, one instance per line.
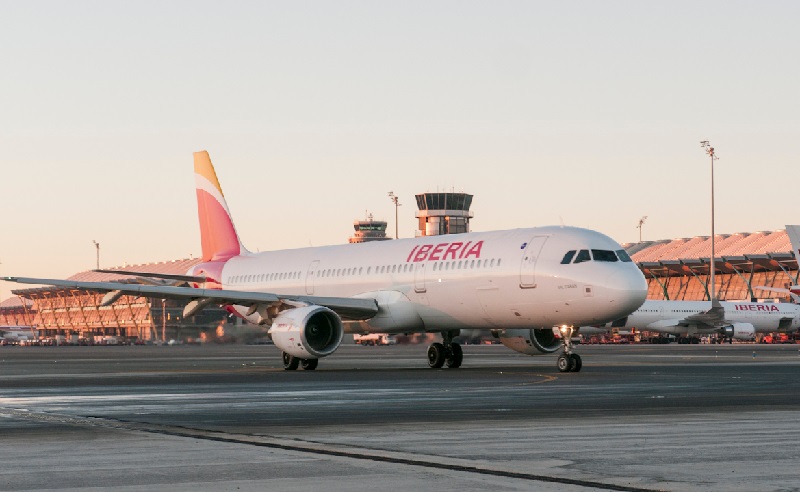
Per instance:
(628,289)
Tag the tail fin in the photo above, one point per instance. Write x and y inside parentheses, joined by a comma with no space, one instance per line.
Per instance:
(217,232)
(793,232)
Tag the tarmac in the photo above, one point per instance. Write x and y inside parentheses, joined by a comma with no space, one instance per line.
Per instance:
(228,417)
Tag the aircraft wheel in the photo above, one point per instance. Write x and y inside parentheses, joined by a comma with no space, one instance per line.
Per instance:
(290,362)
(455,356)
(575,362)
(436,355)
(563,363)
(309,364)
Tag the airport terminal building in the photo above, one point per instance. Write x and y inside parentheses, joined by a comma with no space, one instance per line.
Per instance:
(679,269)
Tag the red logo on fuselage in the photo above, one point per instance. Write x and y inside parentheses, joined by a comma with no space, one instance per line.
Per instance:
(445,251)
(757,307)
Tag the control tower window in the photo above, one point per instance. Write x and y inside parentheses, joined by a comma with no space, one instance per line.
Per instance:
(583,255)
(604,255)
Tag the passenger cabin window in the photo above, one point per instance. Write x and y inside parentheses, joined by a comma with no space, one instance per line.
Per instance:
(583,255)
(604,255)
(568,257)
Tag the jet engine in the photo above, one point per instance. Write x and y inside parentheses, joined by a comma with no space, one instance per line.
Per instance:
(308,332)
(740,331)
(530,342)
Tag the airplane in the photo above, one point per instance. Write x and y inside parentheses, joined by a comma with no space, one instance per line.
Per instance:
(732,320)
(520,283)
(16,333)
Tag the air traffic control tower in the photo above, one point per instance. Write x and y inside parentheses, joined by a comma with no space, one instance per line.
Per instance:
(443,213)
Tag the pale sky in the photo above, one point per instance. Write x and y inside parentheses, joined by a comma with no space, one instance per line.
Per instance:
(582,113)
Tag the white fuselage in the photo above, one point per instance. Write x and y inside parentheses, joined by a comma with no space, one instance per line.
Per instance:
(484,280)
(765,317)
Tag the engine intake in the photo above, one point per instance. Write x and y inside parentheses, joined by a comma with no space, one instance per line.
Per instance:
(740,331)
(307,332)
(531,342)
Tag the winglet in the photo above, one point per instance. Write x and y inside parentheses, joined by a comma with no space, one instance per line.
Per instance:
(217,232)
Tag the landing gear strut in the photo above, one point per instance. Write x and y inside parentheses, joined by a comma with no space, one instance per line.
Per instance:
(568,361)
(447,352)
(291,363)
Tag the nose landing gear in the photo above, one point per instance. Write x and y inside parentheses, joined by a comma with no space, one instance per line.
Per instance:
(568,361)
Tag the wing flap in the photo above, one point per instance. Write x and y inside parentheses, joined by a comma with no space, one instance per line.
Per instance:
(166,276)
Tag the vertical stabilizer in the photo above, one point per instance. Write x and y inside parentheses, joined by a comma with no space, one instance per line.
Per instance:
(793,231)
(217,232)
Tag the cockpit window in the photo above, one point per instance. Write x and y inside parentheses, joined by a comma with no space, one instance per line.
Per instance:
(568,257)
(604,255)
(623,256)
(583,255)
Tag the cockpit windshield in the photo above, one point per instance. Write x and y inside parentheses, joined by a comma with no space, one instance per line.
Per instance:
(604,255)
(583,255)
(575,256)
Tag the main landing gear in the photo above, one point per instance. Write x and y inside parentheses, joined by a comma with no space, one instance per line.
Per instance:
(568,361)
(291,363)
(448,352)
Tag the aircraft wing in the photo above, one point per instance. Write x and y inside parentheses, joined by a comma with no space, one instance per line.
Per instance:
(713,318)
(349,308)
(793,292)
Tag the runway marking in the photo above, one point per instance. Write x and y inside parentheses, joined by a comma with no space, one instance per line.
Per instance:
(301,446)
(546,378)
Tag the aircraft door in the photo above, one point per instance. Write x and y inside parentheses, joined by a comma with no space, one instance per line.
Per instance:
(527,268)
(419,278)
(311,277)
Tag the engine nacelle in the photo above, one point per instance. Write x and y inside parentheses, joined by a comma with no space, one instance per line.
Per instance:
(531,342)
(740,331)
(307,332)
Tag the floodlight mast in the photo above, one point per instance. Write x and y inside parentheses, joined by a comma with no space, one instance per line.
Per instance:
(710,151)
(97,246)
(641,222)
(396,200)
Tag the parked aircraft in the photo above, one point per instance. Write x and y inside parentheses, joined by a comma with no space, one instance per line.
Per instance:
(16,333)
(739,320)
(521,283)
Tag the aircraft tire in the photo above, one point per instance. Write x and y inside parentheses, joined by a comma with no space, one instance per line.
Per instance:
(455,356)
(290,362)
(563,363)
(575,363)
(436,355)
(309,364)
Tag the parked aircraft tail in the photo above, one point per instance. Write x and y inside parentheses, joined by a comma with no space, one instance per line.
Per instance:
(793,231)
(217,233)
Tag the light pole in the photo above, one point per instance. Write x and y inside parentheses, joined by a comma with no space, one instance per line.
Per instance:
(641,222)
(163,320)
(710,151)
(396,200)
(97,246)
